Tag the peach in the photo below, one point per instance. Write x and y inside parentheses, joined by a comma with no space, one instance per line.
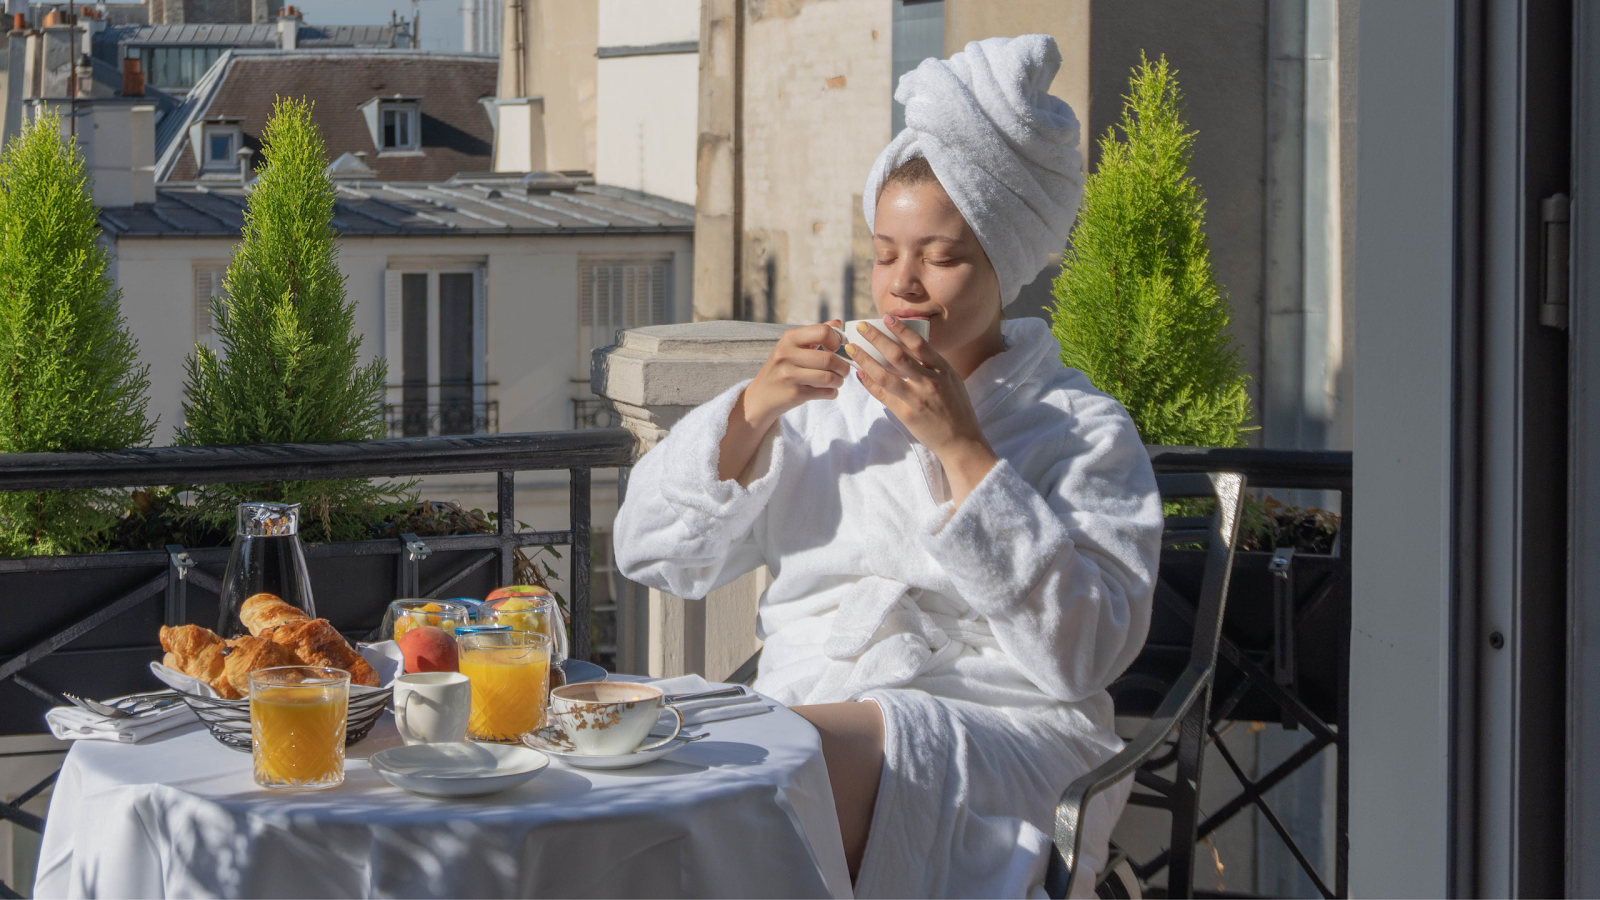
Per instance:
(428,649)
(515,590)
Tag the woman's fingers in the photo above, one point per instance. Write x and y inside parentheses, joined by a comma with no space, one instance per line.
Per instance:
(819,335)
(916,346)
(808,358)
(873,373)
(899,361)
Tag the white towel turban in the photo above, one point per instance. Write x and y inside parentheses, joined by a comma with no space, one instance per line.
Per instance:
(1004,149)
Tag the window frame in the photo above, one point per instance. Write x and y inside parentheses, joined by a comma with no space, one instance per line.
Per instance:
(660,307)
(410,113)
(394,331)
(235,136)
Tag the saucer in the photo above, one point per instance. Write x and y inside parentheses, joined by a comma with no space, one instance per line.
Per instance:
(457,770)
(541,740)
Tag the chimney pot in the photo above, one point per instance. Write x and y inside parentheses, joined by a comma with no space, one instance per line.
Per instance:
(19,22)
(132,77)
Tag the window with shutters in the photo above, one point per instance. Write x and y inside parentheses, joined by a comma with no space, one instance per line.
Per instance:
(613,295)
(434,343)
(208,278)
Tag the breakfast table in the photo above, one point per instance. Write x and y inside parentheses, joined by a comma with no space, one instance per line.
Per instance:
(747,811)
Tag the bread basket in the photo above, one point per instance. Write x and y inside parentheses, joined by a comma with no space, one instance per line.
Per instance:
(229,720)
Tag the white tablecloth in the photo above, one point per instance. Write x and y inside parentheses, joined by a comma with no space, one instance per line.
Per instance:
(746,812)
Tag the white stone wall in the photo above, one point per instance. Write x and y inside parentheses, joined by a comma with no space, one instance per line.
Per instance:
(816,114)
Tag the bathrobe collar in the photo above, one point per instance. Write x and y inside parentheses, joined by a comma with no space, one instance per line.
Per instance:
(1030,357)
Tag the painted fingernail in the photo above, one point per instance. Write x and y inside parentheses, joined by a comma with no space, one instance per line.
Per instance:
(888,320)
(850,349)
(861,327)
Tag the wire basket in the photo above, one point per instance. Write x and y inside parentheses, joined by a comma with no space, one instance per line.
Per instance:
(229,720)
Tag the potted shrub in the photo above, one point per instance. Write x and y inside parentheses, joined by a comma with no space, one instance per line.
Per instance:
(1139,311)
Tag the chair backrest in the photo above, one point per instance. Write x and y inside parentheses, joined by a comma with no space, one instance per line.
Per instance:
(1187,701)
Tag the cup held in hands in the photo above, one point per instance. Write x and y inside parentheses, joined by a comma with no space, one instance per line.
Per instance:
(851,334)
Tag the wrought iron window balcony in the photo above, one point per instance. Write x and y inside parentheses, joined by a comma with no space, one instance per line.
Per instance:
(431,410)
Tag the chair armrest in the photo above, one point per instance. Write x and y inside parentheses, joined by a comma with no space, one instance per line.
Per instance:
(1189,688)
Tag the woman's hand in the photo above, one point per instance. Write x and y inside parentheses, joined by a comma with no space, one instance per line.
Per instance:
(801,367)
(929,397)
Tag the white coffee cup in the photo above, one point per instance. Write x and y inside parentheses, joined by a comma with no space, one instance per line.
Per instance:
(432,707)
(610,718)
(851,334)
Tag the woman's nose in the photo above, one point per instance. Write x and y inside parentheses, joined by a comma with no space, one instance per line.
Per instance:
(905,282)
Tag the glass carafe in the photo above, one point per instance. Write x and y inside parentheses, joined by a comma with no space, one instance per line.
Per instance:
(267,559)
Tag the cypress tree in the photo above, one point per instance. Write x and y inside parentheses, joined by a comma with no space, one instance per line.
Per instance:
(290,365)
(1137,307)
(70,377)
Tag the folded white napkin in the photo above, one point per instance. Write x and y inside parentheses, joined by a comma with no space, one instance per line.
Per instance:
(700,712)
(384,657)
(70,723)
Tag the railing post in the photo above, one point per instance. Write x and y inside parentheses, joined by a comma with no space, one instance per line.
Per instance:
(580,568)
(506,499)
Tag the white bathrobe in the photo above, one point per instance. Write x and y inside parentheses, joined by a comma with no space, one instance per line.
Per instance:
(987,636)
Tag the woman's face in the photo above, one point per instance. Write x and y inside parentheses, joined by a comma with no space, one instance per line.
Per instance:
(931,266)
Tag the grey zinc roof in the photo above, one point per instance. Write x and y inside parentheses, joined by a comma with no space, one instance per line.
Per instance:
(469,205)
(247,35)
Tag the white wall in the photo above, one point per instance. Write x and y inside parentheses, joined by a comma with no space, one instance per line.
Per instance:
(646,125)
(1399,631)
(638,23)
(645,106)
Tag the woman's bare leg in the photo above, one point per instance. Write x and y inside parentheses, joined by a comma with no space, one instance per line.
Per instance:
(852,745)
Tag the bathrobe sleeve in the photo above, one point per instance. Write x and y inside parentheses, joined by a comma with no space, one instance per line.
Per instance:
(682,529)
(1064,571)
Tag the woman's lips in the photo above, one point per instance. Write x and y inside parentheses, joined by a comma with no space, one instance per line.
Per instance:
(910,314)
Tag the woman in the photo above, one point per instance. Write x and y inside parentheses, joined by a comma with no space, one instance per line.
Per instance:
(963,543)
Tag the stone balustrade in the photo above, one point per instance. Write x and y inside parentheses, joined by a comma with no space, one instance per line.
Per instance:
(653,376)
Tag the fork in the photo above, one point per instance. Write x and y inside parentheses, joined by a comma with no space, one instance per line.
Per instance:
(122,708)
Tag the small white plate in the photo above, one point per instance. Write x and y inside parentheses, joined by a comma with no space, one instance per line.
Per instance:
(619,761)
(458,770)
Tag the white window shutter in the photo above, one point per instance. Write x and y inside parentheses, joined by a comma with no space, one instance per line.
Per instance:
(202,307)
(393,319)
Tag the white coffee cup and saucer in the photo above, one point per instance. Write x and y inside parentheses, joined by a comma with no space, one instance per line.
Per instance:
(851,334)
(430,712)
(606,725)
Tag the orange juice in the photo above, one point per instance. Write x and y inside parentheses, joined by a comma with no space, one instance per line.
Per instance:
(298,732)
(510,675)
(508,697)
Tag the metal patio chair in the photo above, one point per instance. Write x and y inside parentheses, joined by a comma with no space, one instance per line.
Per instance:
(1185,708)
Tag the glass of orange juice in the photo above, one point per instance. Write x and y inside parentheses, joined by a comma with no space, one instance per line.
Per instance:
(510,675)
(297,721)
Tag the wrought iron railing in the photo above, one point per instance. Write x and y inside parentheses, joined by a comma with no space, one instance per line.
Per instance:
(178,567)
(447,417)
(596,412)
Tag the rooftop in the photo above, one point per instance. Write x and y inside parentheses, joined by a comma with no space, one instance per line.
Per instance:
(455,132)
(541,203)
(250,35)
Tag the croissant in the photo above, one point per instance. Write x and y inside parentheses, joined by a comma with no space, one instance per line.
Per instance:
(317,643)
(262,611)
(196,652)
(246,655)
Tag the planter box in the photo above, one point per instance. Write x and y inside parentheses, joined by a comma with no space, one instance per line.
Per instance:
(352,582)
(1322,610)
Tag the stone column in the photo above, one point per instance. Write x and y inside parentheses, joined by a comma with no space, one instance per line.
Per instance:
(654,376)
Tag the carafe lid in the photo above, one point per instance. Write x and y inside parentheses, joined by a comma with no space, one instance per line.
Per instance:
(268,519)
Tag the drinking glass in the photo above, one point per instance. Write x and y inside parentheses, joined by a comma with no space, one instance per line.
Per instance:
(267,559)
(404,615)
(510,674)
(528,608)
(297,723)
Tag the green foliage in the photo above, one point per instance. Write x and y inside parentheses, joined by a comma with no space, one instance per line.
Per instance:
(290,366)
(70,377)
(1137,307)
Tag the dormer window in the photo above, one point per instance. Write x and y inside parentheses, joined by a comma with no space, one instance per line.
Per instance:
(216,143)
(399,126)
(395,124)
(220,144)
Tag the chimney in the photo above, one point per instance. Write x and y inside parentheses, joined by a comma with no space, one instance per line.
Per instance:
(132,77)
(244,154)
(289,28)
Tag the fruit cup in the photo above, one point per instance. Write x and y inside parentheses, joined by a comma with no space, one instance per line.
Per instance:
(404,615)
(528,609)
